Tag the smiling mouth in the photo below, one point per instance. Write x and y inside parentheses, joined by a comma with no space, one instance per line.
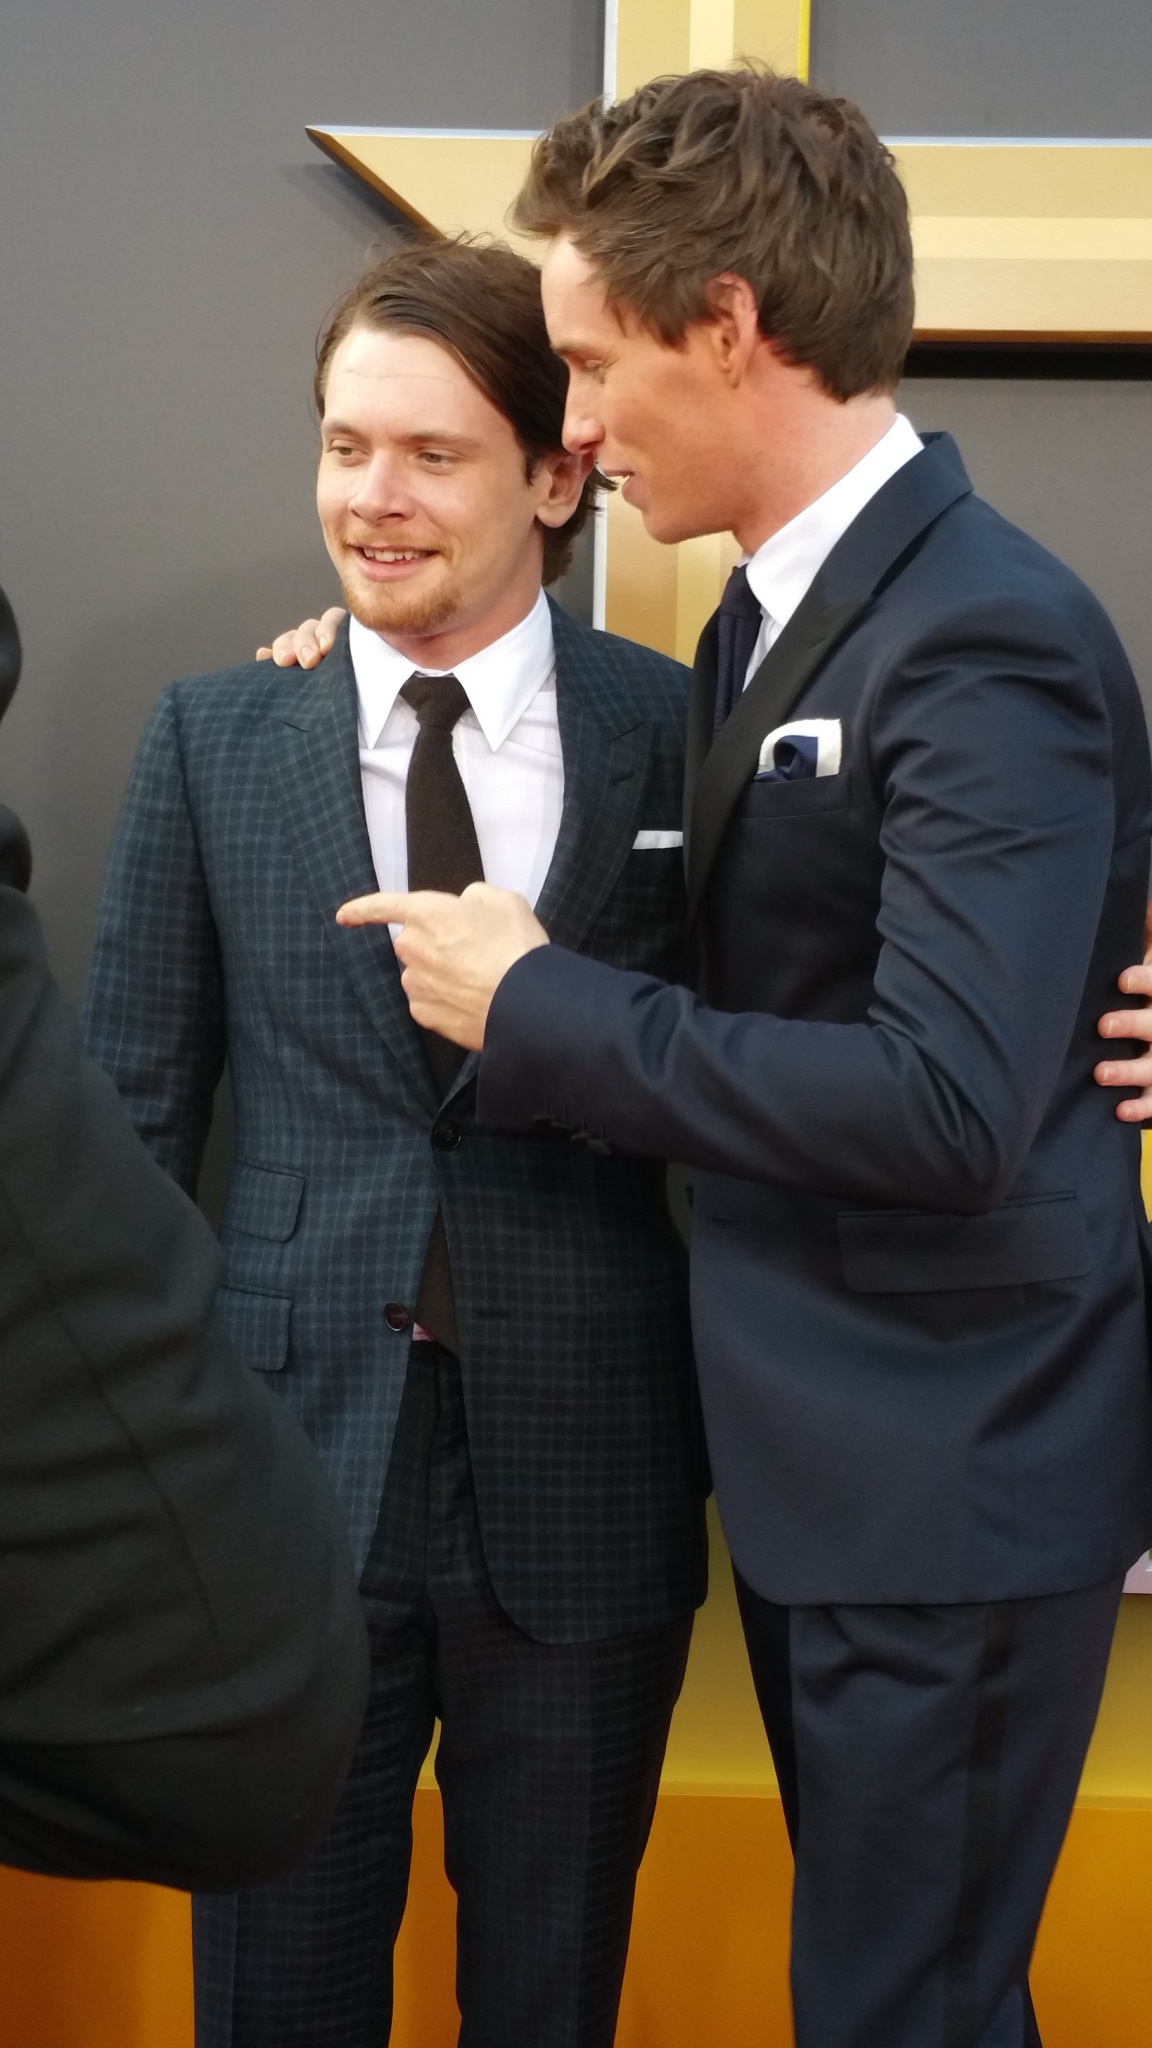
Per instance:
(392,555)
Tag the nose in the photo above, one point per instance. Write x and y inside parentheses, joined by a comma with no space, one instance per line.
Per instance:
(583,427)
(380,491)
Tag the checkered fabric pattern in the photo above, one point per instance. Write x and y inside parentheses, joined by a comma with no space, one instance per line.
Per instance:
(242,831)
(549,1763)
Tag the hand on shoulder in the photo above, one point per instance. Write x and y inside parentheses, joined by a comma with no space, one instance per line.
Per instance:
(307,643)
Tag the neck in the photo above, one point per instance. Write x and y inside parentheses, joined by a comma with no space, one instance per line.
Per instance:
(807,447)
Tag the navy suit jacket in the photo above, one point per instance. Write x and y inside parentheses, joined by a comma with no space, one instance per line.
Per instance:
(919,1248)
(243,830)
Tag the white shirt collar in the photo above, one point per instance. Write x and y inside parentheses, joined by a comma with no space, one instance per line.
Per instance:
(499,682)
(781,571)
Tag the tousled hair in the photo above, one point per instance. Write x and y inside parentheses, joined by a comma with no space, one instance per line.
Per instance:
(747,173)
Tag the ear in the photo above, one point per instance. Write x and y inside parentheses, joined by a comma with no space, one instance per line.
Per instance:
(732,324)
(561,476)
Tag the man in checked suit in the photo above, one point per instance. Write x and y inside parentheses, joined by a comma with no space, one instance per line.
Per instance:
(485,1337)
(918,812)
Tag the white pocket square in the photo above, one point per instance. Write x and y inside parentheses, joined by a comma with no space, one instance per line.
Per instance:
(651,842)
(823,759)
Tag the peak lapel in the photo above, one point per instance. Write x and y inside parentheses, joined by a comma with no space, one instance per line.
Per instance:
(606,750)
(314,747)
(864,556)
(607,747)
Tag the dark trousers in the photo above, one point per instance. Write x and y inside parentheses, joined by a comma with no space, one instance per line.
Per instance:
(928,1760)
(549,1762)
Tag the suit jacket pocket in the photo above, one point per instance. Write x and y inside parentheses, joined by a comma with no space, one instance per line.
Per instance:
(258,1325)
(763,801)
(910,1251)
(263,1201)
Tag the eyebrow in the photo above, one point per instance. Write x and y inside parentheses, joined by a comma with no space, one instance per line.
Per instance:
(419,437)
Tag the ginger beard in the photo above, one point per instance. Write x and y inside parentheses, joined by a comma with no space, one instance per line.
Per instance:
(431,600)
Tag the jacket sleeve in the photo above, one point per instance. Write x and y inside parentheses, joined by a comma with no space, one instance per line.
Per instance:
(991,746)
(154,1010)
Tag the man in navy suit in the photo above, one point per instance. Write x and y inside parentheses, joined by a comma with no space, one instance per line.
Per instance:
(486,1337)
(917,816)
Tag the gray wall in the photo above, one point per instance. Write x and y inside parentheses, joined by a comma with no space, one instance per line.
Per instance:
(1072,463)
(990,67)
(169,244)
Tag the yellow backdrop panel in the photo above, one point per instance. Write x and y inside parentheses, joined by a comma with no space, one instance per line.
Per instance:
(107,1966)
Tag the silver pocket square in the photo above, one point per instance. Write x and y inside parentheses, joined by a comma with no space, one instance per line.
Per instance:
(652,842)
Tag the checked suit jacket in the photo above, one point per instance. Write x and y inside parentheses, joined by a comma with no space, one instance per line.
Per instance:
(242,831)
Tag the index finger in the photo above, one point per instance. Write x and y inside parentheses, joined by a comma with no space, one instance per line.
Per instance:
(378,909)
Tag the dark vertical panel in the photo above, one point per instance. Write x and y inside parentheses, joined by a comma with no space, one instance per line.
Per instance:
(1071,462)
(990,67)
(169,243)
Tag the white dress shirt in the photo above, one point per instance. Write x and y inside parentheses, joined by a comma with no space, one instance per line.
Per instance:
(507,748)
(780,572)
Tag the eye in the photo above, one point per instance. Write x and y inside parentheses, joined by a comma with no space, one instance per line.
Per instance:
(435,458)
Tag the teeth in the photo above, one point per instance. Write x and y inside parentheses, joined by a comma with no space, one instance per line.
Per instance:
(394,554)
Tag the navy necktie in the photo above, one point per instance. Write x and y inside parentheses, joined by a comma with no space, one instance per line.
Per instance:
(740,621)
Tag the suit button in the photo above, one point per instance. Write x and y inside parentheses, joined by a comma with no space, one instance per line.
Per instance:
(446,1134)
(396,1316)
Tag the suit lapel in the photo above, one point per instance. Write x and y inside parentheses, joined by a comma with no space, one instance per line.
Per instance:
(701,720)
(314,748)
(868,553)
(607,747)
(807,639)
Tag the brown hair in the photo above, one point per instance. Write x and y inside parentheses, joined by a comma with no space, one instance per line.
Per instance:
(745,172)
(481,302)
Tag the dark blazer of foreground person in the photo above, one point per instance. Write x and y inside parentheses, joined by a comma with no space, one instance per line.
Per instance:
(182,1658)
(918,1240)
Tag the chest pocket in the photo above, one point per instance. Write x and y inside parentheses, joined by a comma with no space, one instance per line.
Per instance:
(764,802)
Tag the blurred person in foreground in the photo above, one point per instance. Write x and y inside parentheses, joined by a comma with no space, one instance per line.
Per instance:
(917,814)
(486,1337)
(182,1659)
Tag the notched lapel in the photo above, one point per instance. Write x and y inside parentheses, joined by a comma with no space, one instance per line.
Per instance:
(314,746)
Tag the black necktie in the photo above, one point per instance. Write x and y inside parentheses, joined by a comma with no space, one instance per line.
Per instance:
(443,853)
(740,621)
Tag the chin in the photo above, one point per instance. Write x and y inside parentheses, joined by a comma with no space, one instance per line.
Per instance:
(402,607)
(669,525)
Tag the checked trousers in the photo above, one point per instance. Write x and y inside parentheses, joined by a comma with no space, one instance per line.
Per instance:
(549,1761)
